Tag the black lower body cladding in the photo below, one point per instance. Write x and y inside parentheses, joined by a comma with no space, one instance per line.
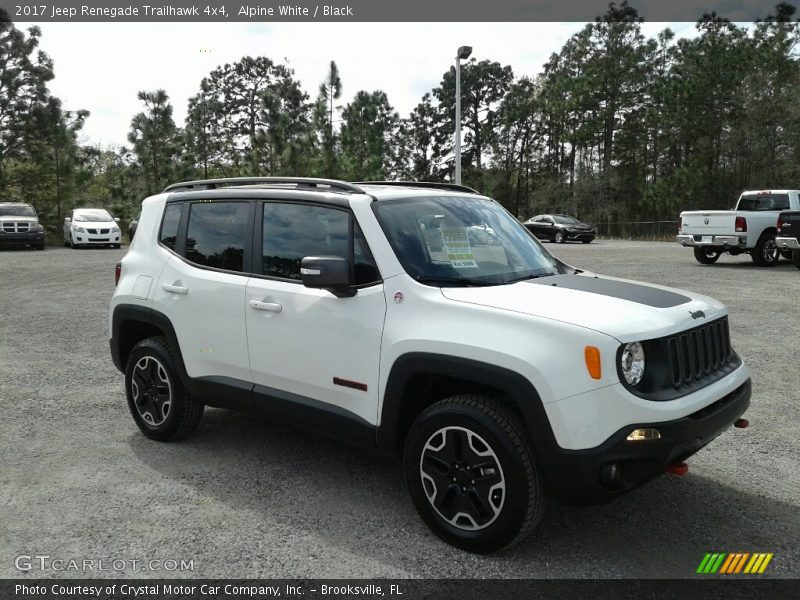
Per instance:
(618,466)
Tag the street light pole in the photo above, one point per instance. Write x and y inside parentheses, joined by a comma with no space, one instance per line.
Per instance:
(463,53)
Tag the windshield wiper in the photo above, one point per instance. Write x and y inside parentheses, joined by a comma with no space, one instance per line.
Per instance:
(526,277)
(453,280)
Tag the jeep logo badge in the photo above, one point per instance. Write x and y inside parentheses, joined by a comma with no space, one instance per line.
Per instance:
(698,314)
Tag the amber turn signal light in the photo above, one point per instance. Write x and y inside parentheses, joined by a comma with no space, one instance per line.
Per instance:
(592,356)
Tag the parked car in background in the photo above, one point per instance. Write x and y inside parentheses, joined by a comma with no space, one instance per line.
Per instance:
(788,234)
(91,227)
(19,225)
(747,229)
(560,229)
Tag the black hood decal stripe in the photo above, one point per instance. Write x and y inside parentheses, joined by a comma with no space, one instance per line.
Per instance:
(633,292)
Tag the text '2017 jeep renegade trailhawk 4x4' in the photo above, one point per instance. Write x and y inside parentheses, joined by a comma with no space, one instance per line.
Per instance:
(368,312)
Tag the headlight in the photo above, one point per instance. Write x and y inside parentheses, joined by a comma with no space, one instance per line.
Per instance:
(632,363)
(78,229)
(115,230)
(37,227)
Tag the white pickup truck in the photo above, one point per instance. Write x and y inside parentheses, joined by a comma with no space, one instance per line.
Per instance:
(749,228)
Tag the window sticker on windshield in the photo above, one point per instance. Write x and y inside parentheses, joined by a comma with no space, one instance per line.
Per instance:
(456,245)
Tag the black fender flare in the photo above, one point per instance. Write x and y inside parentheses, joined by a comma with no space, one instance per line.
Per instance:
(515,388)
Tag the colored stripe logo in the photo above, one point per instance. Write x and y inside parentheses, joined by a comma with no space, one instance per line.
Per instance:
(734,563)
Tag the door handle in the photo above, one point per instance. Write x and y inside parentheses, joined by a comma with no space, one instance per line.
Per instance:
(174,289)
(268,306)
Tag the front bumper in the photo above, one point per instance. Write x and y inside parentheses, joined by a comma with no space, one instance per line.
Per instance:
(787,243)
(22,238)
(584,476)
(83,239)
(580,235)
(714,241)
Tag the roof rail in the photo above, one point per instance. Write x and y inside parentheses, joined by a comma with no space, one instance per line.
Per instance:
(311,182)
(424,184)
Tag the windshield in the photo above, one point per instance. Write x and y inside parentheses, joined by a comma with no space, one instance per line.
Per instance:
(93,215)
(16,210)
(764,202)
(564,220)
(461,241)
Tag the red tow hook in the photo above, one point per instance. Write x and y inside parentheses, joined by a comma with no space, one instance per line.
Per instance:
(741,423)
(678,468)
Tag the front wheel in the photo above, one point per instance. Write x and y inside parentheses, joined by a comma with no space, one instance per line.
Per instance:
(473,475)
(765,253)
(706,256)
(158,402)
(586,241)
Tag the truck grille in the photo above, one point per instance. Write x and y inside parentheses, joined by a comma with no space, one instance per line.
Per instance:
(16,227)
(700,353)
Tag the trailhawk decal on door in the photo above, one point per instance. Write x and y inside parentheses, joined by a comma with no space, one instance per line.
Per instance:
(633,292)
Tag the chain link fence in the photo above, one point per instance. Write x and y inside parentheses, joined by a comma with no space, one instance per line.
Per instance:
(638,230)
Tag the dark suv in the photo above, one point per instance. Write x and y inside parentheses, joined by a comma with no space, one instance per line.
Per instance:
(19,225)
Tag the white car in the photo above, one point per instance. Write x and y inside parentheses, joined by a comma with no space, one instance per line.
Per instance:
(495,371)
(91,227)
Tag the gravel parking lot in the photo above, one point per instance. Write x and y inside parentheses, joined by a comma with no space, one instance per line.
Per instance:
(247,498)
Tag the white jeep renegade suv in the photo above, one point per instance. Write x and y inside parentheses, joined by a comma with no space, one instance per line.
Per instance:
(368,311)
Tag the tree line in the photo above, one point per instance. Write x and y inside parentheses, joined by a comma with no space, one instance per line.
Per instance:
(617,127)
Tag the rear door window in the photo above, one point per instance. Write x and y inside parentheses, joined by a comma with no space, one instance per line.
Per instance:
(216,234)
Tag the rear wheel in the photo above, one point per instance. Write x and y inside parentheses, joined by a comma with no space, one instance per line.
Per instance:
(158,402)
(787,254)
(765,253)
(473,474)
(559,237)
(706,255)
(796,258)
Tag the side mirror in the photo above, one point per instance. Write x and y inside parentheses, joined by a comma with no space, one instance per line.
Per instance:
(330,273)
(67,220)
(116,219)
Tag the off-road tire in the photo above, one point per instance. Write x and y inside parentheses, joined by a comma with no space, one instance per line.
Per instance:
(184,412)
(492,425)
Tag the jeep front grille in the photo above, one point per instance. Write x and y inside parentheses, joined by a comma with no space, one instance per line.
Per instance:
(700,353)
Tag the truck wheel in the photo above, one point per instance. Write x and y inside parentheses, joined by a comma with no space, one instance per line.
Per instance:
(787,254)
(158,402)
(766,253)
(796,258)
(473,475)
(706,256)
